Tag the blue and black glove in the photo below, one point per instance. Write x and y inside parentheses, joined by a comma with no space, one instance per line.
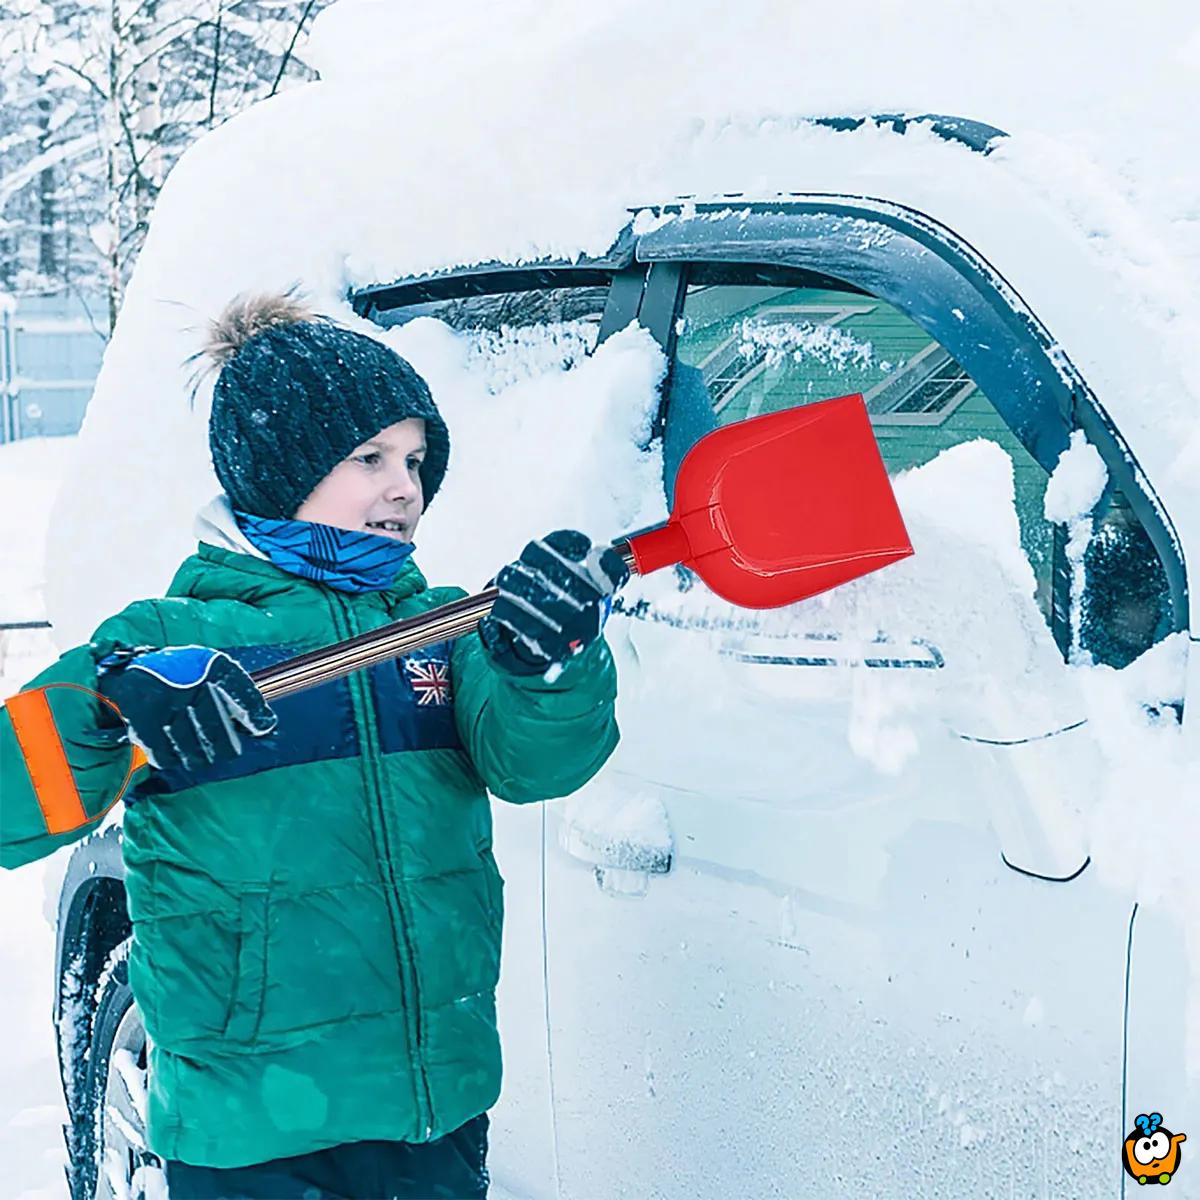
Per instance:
(553,602)
(181,704)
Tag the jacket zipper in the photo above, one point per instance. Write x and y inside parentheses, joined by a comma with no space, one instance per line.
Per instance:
(371,774)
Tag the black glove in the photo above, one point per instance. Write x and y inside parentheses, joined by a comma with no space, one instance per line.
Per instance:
(553,602)
(181,704)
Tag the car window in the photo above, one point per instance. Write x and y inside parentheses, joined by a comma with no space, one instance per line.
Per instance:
(742,349)
(514,332)
(759,349)
(1125,607)
(496,311)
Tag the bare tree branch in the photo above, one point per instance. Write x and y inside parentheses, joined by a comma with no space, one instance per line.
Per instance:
(107,140)
(74,289)
(287,54)
(212,93)
(136,159)
(160,45)
(95,87)
(16,180)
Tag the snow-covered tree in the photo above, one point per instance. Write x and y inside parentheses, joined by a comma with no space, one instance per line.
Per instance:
(98,98)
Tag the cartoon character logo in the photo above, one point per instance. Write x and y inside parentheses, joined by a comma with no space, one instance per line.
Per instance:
(1152,1153)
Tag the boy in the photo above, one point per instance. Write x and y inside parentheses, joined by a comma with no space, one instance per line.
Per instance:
(316,909)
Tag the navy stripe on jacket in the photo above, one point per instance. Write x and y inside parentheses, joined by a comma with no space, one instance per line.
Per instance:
(414,710)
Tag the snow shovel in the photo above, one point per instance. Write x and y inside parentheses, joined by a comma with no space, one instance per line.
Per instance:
(768,511)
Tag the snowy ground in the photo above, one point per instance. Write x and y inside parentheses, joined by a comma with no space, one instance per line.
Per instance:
(31,1103)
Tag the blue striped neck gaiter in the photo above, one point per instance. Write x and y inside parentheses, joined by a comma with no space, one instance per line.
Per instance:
(346,559)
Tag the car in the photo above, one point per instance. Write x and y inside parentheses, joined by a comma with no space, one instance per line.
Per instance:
(828,923)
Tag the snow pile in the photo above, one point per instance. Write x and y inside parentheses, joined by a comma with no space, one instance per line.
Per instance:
(1145,829)
(1073,490)
(558,449)
(984,693)
(611,826)
(32,470)
(803,339)
(1077,483)
(511,354)
(968,592)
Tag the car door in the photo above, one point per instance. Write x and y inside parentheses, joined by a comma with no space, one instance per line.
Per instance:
(825,924)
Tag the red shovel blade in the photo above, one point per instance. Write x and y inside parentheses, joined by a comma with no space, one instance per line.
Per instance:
(777,508)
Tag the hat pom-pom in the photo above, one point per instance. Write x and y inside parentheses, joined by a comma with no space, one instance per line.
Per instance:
(243,318)
(248,315)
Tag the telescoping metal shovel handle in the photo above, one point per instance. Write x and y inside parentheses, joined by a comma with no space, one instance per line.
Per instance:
(440,624)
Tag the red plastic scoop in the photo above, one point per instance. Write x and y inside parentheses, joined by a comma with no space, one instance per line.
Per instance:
(777,508)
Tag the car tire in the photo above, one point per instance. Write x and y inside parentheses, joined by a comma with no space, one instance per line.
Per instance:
(109,1158)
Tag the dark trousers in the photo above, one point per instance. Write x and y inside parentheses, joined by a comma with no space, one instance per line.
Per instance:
(453,1167)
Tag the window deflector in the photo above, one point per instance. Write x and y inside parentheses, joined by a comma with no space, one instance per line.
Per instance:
(923,269)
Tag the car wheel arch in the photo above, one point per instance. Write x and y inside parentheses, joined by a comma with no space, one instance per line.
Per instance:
(92,923)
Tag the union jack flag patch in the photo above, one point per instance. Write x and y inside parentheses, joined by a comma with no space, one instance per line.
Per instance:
(430,680)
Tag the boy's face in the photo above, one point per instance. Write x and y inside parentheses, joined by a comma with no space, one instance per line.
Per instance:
(377,487)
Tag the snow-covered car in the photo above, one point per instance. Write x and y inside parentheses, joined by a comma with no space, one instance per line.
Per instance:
(858,907)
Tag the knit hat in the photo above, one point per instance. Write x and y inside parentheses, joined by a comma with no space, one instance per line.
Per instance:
(296,393)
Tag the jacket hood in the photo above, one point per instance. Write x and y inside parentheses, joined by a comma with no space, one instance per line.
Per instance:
(228,566)
(215,525)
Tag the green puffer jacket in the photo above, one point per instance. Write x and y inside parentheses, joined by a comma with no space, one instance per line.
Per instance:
(317,922)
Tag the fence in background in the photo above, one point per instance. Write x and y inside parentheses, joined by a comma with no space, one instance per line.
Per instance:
(50,352)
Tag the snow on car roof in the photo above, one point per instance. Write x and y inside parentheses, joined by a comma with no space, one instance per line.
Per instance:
(517,133)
